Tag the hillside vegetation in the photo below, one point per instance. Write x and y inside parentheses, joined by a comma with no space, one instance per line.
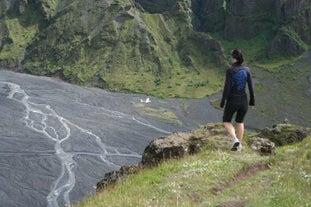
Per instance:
(173,48)
(218,177)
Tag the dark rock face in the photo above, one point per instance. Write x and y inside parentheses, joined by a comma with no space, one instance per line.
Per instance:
(287,22)
(285,10)
(156,6)
(282,134)
(246,19)
(293,38)
(209,16)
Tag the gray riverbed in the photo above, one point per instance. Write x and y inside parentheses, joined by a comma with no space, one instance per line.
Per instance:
(57,140)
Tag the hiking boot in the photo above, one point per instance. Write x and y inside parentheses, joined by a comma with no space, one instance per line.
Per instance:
(235,146)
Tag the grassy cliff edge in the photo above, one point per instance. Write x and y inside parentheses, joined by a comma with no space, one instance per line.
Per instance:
(219,177)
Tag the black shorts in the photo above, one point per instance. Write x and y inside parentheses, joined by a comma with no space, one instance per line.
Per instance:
(239,108)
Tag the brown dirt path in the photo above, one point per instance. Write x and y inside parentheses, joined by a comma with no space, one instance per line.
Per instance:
(241,176)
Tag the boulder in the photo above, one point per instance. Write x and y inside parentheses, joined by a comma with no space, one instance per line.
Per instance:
(179,144)
(262,145)
(173,146)
(116,176)
(285,133)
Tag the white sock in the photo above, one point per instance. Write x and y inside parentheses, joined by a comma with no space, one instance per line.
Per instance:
(236,140)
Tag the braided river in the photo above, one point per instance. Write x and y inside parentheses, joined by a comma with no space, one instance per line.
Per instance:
(57,140)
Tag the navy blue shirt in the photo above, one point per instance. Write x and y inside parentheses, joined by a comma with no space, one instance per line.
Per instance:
(237,76)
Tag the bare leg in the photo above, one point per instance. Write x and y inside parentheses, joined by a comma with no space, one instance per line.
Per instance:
(240,131)
(230,129)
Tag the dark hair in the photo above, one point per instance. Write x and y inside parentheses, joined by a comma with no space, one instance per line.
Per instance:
(237,54)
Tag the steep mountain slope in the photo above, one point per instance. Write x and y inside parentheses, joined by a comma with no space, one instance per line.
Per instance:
(165,48)
(112,45)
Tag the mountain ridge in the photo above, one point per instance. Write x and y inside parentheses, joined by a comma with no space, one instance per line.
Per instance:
(166,49)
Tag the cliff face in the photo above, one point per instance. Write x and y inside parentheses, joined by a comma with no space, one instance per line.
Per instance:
(209,15)
(285,23)
(144,45)
(247,19)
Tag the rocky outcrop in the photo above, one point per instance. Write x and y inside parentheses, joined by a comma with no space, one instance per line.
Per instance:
(212,136)
(174,146)
(116,176)
(285,133)
(293,38)
(262,145)
(177,145)
(288,43)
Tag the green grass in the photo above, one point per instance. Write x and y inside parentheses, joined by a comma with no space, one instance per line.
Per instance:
(21,30)
(49,7)
(192,181)
(158,113)
(253,50)
(20,36)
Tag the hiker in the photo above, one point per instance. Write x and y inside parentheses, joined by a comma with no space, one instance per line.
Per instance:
(234,98)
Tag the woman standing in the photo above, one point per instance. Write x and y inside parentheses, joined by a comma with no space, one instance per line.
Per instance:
(234,98)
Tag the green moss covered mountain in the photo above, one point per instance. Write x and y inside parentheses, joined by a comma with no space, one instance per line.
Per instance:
(166,48)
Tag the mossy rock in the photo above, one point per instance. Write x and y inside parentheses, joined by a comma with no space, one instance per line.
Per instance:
(288,43)
(283,134)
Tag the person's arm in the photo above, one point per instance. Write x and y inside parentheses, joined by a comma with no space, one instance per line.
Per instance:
(251,89)
(226,89)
